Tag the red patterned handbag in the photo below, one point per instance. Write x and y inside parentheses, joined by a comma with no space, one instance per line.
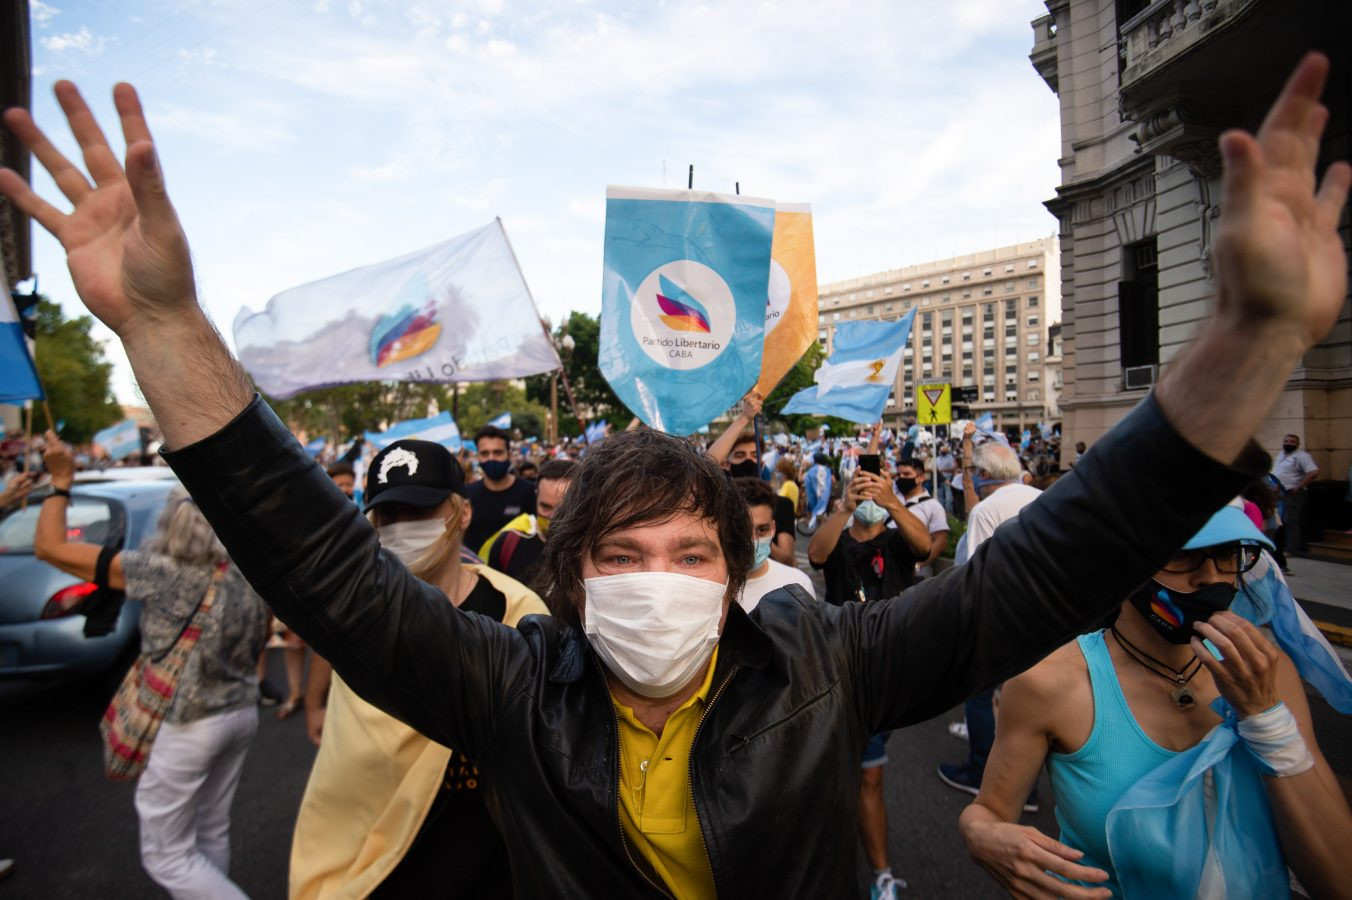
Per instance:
(133,718)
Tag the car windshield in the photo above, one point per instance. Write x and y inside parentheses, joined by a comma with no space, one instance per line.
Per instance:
(88,521)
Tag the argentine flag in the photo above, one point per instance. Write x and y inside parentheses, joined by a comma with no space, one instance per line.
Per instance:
(503,421)
(120,440)
(440,428)
(854,383)
(18,375)
(686,281)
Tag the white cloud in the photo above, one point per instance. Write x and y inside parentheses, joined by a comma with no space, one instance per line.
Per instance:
(42,13)
(82,40)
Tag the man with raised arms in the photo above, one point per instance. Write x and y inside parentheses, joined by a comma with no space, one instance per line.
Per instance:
(651,738)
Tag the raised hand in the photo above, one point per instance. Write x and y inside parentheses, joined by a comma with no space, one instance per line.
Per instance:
(1247,674)
(59,461)
(1279,258)
(127,253)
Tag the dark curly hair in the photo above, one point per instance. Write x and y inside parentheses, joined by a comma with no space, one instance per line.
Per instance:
(633,478)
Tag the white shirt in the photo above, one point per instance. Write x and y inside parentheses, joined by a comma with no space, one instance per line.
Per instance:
(1001,506)
(776,576)
(925,508)
(1291,468)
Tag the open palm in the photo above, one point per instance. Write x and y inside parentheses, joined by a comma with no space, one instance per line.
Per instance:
(127,253)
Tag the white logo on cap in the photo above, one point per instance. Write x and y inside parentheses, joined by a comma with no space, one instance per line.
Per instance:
(398,457)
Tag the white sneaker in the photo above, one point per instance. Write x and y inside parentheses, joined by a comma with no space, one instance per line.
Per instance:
(958,730)
(885,887)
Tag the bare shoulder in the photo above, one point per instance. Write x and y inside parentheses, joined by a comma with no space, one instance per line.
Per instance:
(1045,691)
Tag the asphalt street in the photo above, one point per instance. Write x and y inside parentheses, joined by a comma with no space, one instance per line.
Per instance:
(73,833)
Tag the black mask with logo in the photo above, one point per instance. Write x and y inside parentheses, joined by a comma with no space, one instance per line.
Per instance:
(747,468)
(1173,613)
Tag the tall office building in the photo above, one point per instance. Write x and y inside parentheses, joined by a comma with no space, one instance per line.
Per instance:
(982,321)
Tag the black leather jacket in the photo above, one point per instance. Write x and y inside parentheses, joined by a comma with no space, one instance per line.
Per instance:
(799,685)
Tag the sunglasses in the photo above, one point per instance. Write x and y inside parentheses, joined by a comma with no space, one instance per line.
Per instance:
(1230,559)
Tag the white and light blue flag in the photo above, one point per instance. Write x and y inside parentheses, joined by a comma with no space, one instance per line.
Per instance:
(686,278)
(457,311)
(503,421)
(854,382)
(120,440)
(595,431)
(18,375)
(440,428)
(985,422)
(316,447)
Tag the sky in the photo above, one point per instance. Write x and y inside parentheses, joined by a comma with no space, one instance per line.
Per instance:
(301,138)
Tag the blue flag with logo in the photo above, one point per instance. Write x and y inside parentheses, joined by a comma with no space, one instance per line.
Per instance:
(120,440)
(440,428)
(683,302)
(854,382)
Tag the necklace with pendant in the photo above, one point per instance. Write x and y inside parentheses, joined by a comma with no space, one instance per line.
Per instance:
(1182,694)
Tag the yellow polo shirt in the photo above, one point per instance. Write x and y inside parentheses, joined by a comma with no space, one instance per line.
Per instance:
(656,806)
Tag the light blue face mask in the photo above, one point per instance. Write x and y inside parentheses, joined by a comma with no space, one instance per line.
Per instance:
(762,553)
(869,513)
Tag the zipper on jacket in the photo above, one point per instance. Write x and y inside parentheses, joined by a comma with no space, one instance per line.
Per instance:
(690,773)
(619,822)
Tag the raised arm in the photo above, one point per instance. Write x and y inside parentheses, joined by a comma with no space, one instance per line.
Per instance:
(720,449)
(49,539)
(303,546)
(1099,532)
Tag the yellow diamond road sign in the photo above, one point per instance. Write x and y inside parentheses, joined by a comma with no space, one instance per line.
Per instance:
(934,404)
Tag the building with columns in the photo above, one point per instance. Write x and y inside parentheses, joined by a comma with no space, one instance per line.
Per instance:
(982,320)
(1145,89)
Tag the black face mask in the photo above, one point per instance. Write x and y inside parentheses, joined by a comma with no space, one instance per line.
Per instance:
(747,468)
(1289,448)
(1173,613)
(495,469)
(905,485)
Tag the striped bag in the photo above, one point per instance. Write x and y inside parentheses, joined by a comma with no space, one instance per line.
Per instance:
(133,718)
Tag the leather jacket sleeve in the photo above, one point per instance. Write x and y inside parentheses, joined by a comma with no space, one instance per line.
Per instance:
(311,554)
(1061,568)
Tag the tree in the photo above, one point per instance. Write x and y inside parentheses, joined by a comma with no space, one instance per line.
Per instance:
(590,387)
(798,378)
(76,377)
(483,401)
(348,410)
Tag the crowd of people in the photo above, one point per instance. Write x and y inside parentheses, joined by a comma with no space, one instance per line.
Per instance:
(612,679)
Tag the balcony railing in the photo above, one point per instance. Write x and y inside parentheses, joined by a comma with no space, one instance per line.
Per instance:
(1166,29)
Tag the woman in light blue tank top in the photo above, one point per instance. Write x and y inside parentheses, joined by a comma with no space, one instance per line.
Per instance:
(1162,789)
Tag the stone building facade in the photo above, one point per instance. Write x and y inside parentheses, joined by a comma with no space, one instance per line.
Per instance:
(982,320)
(1145,90)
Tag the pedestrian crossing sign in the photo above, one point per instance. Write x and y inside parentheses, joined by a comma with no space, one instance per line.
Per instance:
(934,404)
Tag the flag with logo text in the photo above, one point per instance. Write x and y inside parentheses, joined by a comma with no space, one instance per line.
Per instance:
(791,302)
(854,382)
(457,311)
(686,277)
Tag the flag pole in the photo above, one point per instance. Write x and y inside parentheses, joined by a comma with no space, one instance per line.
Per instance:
(567,390)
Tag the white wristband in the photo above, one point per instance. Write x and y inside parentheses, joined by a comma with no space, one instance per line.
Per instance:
(1275,741)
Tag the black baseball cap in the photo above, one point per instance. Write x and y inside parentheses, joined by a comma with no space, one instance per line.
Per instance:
(414,473)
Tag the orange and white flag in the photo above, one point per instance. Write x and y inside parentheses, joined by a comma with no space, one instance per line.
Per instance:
(791,307)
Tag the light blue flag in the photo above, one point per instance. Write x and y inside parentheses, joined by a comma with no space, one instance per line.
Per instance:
(683,302)
(595,431)
(854,382)
(985,422)
(120,440)
(18,375)
(503,421)
(316,447)
(440,428)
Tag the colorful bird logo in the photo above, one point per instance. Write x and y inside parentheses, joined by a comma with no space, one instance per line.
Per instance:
(1167,611)
(404,334)
(680,311)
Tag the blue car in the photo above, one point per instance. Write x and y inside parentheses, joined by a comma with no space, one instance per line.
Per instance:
(40,636)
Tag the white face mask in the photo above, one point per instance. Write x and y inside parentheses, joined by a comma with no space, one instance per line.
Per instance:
(410,540)
(654,630)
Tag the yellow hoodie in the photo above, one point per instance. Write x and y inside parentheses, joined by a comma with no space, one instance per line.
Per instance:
(372,784)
